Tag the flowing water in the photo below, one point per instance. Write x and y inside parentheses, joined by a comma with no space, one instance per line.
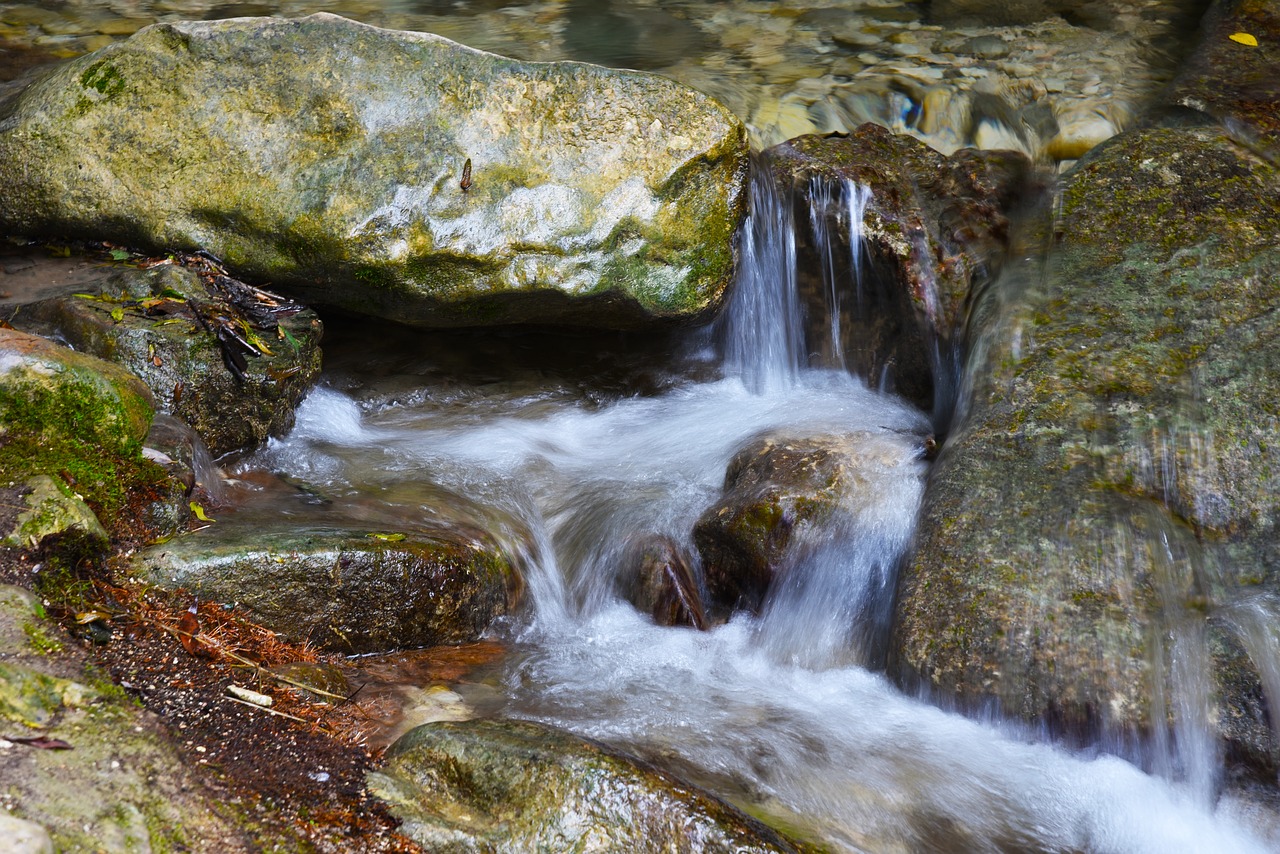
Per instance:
(781,712)
(571,454)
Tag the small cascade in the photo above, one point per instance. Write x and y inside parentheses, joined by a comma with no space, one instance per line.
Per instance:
(762,328)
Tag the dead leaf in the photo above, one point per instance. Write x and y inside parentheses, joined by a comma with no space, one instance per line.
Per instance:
(189,631)
(40,742)
(1244,38)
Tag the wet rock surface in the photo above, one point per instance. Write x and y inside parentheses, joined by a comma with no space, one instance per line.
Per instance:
(428,183)
(1230,75)
(230,360)
(1114,478)
(351,590)
(660,583)
(934,230)
(776,490)
(518,786)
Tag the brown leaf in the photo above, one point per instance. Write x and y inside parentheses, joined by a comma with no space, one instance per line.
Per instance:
(41,742)
(189,631)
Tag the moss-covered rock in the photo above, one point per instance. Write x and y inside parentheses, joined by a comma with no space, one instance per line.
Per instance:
(48,508)
(487,785)
(72,417)
(391,173)
(181,329)
(1116,476)
(343,589)
(122,787)
(936,227)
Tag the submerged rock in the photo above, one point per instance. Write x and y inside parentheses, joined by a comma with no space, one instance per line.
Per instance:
(390,173)
(778,489)
(659,582)
(343,589)
(934,229)
(230,360)
(489,785)
(1116,477)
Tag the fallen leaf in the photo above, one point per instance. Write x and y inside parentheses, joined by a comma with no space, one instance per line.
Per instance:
(199,511)
(188,632)
(41,742)
(1244,38)
(119,255)
(388,538)
(117,314)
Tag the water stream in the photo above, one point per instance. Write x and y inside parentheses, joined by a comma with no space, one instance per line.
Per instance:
(781,712)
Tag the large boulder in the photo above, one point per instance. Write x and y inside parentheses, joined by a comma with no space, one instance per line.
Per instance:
(391,173)
(933,229)
(347,589)
(489,785)
(230,360)
(1115,480)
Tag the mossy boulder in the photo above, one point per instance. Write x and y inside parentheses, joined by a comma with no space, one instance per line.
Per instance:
(657,579)
(778,490)
(227,359)
(935,228)
(74,418)
(345,589)
(489,785)
(391,173)
(1115,479)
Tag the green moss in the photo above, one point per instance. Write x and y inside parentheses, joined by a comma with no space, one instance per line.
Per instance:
(39,638)
(102,77)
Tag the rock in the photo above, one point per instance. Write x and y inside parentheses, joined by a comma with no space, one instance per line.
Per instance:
(658,582)
(776,489)
(1099,14)
(177,329)
(122,787)
(345,589)
(1234,83)
(328,158)
(1115,478)
(52,510)
(24,837)
(75,418)
(491,785)
(935,229)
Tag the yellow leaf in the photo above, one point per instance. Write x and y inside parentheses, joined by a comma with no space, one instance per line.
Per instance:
(1244,38)
(390,538)
(199,511)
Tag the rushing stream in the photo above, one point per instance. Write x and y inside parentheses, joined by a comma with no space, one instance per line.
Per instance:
(782,712)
